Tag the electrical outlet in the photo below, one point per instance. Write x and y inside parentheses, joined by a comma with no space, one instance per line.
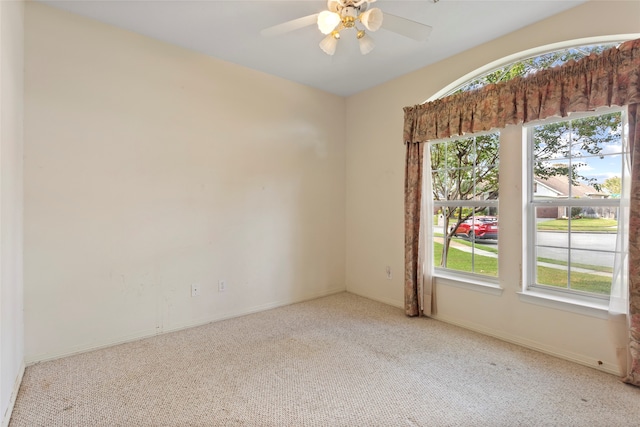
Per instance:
(222,285)
(389,276)
(195,290)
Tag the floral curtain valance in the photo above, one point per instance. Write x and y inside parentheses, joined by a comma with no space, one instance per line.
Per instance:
(606,79)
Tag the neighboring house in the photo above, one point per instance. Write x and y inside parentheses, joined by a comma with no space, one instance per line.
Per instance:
(558,187)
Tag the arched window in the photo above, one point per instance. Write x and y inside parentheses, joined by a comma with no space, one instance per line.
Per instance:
(465,185)
(530,65)
(558,166)
(528,62)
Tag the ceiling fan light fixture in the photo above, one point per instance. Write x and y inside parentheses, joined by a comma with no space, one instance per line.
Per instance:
(365,41)
(328,21)
(372,19)
(356,15)
(330,43)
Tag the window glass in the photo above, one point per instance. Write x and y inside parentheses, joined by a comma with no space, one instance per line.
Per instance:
(574,186)
(464,176)
(532,65)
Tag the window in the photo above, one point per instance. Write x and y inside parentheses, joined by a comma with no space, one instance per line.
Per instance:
(530,66)
(464,184)
(560,235)
(575,171)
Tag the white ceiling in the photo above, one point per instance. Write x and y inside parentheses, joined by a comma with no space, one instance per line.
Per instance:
(230,30)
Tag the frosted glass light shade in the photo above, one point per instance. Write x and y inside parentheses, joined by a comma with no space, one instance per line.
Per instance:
(372,19)
(366,44)
(328,21)
(329,44)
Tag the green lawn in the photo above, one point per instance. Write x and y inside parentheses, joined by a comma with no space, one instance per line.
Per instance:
(579,281)
(578,265)
(582,224)
(462,261)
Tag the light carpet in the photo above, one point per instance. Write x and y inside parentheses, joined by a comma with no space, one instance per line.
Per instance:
(341,360)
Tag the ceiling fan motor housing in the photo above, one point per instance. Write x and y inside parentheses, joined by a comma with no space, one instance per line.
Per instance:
(349,15)
(337,6)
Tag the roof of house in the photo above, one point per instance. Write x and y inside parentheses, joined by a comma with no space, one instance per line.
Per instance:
(560,184)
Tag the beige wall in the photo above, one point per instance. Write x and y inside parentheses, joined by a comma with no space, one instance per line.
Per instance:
(149,168)
(375,182)
(11,136)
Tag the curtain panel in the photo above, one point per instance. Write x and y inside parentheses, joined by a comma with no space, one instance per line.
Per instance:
(611,78)
(633,365)
(413,229)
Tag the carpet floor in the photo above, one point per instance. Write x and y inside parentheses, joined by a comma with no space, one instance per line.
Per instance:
(341,360)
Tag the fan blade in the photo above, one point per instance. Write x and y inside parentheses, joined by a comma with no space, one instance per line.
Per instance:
(406,27)
(289,26)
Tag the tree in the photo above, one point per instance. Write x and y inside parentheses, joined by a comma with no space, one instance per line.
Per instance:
(614,185)
(532,65)
(574,139)
(576,211)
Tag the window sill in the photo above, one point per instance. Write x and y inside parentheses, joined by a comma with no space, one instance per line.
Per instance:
(587,308)
(469,283)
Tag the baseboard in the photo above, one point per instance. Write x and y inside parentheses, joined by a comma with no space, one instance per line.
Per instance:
(534,345)
(148,333)
(252,310)
(6,418)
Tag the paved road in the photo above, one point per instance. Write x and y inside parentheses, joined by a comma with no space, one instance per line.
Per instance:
(587,248)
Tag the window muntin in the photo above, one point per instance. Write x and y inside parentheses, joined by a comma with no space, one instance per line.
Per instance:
(573,216)
(464,179)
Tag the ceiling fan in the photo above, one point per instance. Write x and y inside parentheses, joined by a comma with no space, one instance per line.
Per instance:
(352,14)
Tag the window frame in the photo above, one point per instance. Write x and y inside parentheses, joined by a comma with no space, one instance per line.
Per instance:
(458,277)
(529,285)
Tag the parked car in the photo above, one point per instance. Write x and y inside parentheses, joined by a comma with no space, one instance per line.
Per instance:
(483,227)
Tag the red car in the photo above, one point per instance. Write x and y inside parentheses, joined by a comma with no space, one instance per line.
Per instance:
(484,227)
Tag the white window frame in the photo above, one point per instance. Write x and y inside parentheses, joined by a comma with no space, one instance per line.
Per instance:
(561,296)
(456,277)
